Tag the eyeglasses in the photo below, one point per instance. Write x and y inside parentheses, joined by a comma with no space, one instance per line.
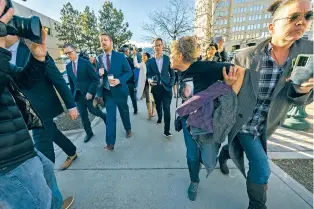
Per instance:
(68,53)
(296,16)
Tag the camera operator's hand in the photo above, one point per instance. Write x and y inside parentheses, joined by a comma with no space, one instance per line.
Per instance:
(39,51)
(5,18)
(134,51)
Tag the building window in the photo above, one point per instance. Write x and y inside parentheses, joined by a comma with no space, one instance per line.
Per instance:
(243,27)
(226,22)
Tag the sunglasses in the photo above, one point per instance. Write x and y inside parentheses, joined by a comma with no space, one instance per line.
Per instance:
(296,16)
(68,53)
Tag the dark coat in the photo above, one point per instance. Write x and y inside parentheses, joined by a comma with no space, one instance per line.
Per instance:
(17,114)
(167,77)
(284,95)
(86,81)
(43,95)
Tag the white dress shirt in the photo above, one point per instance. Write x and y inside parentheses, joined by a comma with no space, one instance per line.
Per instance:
(159,62)
(13,50)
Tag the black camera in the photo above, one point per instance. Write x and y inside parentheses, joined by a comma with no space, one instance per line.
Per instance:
(29,28)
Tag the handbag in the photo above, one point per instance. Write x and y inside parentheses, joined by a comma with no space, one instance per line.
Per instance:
(178,119)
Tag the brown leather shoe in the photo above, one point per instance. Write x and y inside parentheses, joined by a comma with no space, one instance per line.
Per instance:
(67,202)
(128,134)
(68,162)
(109,147)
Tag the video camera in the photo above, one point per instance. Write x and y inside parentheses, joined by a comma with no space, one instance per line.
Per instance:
(130,47)
(28,28)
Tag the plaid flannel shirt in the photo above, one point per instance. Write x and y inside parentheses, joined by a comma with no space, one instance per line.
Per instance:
(269,77)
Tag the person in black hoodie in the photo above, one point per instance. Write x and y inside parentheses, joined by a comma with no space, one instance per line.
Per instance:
(131,81)
(26,176)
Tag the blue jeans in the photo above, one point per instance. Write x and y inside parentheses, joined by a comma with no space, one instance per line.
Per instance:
(259,170)
(111,109)
(195,154)
(31,185)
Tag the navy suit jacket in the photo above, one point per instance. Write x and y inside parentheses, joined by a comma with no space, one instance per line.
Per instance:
(166,78)
(121,70)
(86,81)
(43,95)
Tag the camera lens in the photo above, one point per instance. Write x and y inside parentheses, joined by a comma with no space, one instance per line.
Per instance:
(29,28)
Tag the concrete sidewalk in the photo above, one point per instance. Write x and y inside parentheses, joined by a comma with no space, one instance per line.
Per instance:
(149,171)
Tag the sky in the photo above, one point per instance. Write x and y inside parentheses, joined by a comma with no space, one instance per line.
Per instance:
(135,11)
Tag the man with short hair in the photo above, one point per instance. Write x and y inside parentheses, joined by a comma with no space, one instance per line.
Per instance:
(44,97)
(83,83)
(114,88)
(162,79)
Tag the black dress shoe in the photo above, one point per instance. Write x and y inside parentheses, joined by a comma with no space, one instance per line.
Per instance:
(159,121)
(88,137)
(109,147)
(135,112)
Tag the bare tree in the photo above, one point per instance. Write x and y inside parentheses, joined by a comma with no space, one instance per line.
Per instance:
(210,20)
(173,21)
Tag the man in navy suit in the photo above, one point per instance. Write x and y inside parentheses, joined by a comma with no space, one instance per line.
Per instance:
(161,77)
(83,82)
(46,102)
(114,91)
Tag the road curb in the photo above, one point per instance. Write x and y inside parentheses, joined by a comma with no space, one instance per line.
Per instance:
(295,186)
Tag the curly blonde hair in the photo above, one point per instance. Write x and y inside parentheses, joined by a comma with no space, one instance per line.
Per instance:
(187,46)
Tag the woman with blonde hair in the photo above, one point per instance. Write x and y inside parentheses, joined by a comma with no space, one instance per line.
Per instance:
(144,88)
(204,74)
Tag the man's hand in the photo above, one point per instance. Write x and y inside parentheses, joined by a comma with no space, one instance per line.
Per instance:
(5,18)
(39,51)
(73,113)
(232,76)
(305,87)
(115,82)
(101,72)
(89,96)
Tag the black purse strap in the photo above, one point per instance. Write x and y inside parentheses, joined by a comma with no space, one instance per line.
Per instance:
(180,80)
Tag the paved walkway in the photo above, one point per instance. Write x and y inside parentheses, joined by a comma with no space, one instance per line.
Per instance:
(150,172)
(291,144)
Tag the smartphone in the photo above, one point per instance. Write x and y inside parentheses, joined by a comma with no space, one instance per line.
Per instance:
(302,69)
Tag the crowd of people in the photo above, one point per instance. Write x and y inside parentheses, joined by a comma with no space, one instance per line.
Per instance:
(241,102)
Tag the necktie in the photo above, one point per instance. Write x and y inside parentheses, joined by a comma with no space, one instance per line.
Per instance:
(107,62)
(74,69)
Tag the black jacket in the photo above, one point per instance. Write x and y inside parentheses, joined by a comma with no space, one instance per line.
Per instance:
(43,95)
(16,112)
(87,80)
(132,79)
(166,77)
